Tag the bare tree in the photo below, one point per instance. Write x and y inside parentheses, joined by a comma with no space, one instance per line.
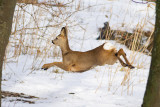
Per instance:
(152,94)
(6,15)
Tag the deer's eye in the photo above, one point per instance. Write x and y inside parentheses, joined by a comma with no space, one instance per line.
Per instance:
(56,38)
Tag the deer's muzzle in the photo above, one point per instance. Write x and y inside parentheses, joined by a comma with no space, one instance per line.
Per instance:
(52,42)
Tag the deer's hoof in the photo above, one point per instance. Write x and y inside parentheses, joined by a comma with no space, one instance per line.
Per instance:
(131,67)
(44,68)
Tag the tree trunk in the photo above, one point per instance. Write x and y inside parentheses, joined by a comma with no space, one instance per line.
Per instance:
(6,14)
(152,94)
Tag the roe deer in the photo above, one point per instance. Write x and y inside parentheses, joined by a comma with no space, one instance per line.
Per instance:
(76,61)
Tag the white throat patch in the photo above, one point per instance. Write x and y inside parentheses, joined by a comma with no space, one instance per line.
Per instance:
(108,46)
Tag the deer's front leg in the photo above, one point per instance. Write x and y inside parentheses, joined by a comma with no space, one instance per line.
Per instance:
(58,64)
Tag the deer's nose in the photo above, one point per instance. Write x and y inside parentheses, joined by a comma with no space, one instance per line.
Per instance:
(52,42)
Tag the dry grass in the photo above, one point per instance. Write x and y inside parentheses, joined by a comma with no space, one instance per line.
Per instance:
(32,31)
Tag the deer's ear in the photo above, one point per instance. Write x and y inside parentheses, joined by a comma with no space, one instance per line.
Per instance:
(64,31)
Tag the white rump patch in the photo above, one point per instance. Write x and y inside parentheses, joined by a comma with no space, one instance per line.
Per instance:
(108,46)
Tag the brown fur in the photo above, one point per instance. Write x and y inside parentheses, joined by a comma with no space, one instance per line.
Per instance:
(76,61)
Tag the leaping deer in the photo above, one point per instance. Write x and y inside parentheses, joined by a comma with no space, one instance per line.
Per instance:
(76,61)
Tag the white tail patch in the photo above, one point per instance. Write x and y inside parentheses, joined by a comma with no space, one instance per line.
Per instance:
(108,46)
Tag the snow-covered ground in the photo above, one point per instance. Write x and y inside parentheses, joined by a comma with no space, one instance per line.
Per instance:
(111,86)
(102,86)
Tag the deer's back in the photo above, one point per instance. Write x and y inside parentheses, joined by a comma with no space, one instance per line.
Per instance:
(91,58)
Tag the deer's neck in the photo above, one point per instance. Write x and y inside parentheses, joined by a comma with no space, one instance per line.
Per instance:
(65,48)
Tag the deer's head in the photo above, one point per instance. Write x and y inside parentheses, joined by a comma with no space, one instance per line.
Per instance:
(61,39)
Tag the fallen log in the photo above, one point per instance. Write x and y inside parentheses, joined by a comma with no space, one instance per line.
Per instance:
(127,38)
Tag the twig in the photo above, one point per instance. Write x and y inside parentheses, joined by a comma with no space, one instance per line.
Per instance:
(140,2)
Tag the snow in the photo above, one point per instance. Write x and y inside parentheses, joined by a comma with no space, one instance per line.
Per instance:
(102,86)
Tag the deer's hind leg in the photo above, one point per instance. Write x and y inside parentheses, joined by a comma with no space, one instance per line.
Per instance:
(121,52)
(58,64)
